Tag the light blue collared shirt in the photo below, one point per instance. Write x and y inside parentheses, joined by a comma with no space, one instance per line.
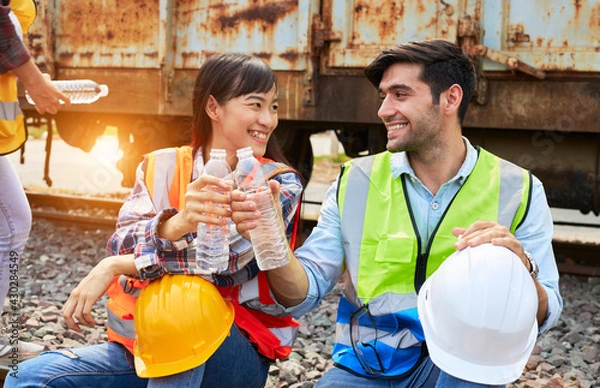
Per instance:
(322,254)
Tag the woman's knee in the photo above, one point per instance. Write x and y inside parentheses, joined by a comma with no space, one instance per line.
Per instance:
(90,366)
(27,373)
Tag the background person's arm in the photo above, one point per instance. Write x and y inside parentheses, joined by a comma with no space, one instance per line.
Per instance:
(46,96)
(15,57)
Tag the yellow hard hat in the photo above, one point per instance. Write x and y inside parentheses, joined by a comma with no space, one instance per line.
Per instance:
(180,321)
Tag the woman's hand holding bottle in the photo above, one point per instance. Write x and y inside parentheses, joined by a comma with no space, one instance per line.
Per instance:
(200,206)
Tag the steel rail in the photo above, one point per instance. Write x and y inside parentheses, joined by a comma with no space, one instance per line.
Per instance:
(573,256)
(55,208)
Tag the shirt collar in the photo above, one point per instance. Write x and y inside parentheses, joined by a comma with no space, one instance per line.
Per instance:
(401,165)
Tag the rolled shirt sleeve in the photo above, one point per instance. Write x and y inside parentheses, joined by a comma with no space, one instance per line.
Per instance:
(321,255)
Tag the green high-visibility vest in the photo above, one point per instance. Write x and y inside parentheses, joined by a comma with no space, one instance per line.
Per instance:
(381,240)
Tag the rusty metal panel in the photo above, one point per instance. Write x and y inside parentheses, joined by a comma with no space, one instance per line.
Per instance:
(552,105)
(131,91)
(367,26)
(550,35)
(107,33)
(566,162)
(275,30)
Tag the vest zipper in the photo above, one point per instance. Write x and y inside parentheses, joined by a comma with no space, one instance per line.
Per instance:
(421,265)
(422,257)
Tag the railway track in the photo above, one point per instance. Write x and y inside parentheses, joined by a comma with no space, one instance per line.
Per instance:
(575,255)
(72,210)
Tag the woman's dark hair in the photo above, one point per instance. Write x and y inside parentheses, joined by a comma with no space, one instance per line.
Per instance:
(227,76)
(444,64)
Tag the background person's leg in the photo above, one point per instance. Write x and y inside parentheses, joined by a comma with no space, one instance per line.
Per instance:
(15,224)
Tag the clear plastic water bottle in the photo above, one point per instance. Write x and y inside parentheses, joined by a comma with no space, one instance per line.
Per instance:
(212,242)
(79,91)
(268,238)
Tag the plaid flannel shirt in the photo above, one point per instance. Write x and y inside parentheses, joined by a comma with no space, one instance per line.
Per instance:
(13,52)
(154,256)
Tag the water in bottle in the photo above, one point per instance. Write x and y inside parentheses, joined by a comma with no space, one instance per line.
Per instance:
(79,91)
(268,238)
(212,242)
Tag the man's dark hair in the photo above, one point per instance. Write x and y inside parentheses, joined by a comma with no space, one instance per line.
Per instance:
(444,64)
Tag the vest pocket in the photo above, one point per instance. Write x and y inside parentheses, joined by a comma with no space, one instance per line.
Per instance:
(386,266)
(396,250)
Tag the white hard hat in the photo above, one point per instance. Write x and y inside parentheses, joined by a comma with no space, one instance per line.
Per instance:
(478,312)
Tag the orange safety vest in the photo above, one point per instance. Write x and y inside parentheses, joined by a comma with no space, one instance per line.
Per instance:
(274,336)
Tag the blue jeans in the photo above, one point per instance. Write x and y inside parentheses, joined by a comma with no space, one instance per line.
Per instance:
(427,375)
(15,224)
(235,364)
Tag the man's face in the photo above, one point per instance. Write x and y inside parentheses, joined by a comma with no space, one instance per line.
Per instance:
(410,117)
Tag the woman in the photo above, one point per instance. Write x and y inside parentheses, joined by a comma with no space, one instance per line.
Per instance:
(234,106)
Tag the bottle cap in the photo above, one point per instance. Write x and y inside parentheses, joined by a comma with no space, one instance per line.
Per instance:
(244,152)
(103,90)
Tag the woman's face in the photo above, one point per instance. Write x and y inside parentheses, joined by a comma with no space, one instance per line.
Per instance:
(247,120)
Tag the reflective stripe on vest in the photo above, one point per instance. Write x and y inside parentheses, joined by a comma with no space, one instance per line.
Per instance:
(123,293)
(12,122)
(166,181)
(121,327)
(174,170)
(382,248)
(10,110)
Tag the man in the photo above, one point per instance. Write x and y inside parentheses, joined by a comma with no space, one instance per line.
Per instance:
(391,219)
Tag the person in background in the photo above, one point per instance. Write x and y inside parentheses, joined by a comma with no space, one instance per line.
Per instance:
(234,106)
(15,221)
(391,219)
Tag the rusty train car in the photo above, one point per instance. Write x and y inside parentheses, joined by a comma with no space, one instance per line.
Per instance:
(537,100)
